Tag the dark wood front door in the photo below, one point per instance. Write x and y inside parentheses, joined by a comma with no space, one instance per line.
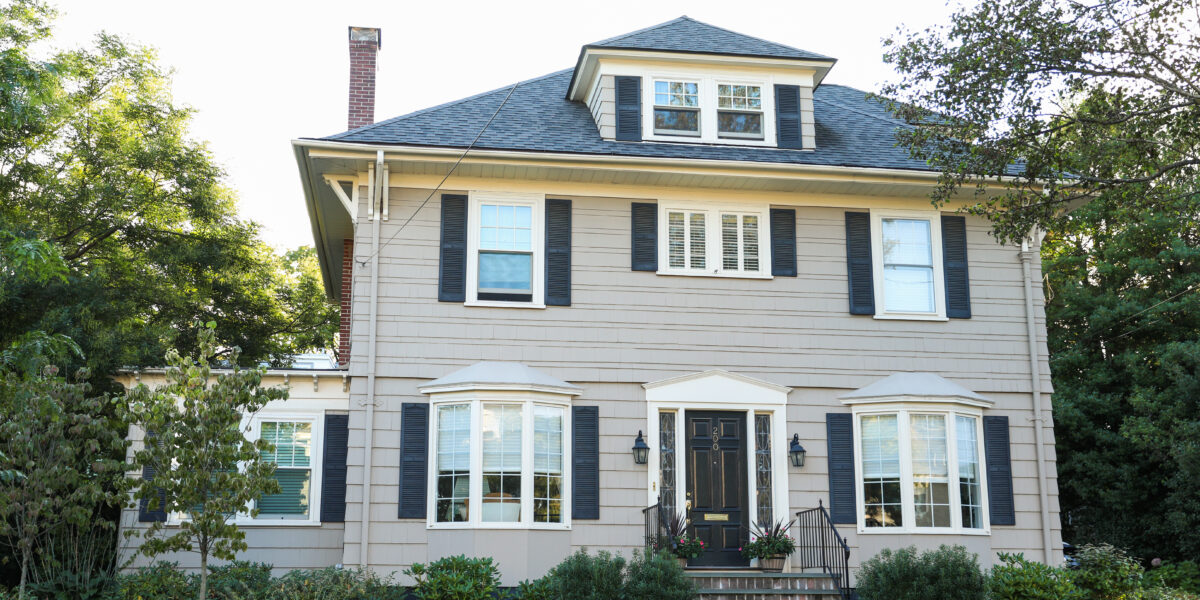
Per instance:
(716,485)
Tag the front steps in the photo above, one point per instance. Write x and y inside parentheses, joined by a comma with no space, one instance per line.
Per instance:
(756,585)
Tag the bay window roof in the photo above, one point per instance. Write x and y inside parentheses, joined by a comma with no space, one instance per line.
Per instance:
(926,387)
(499,375)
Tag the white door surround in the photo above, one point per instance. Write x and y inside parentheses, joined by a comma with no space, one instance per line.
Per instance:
(724,391)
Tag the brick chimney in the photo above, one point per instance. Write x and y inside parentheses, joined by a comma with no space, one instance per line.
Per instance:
(364,47)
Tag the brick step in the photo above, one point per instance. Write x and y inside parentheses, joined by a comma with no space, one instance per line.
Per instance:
(754,585)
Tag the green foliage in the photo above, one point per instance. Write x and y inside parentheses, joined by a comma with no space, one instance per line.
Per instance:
(583,576)
(948,573)
(204,466)
(770,539)
(1108,573)
(538,589)
(1019,579)
(160,581)
(335,584)
(1184,575)
(455,578)
(240,580)
(54,435)
(657,576)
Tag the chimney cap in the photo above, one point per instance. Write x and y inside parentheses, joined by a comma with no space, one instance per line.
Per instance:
(367,34)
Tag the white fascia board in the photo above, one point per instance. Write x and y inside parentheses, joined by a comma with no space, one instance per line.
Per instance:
(904,399)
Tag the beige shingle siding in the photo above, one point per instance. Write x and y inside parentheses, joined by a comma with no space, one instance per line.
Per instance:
(603,105)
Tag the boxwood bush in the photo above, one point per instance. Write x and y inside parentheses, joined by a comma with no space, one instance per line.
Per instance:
(1016,578)
(455,578)
(948,573)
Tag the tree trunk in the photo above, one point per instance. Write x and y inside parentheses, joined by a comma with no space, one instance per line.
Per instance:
(25,556)
(203,575)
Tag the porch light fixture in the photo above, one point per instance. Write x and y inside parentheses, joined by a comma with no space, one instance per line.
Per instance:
(640,450)
(796,451)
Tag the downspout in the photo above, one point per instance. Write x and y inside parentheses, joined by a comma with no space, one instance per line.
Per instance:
(369,422)
(1035,378)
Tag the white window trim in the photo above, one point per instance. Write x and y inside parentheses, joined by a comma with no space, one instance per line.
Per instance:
(939,284)
(761,110)
(708,108)
(537,239)
(712,239)
(252,426)
(476,399)
(903,410)
(720,391)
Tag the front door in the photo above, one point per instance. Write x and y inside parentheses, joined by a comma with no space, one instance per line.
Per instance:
(716,485)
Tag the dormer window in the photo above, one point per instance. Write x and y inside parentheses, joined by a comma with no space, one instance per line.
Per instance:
(676,108)
(739,111)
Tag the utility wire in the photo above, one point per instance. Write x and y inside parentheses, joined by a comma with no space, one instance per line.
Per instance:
(440,183)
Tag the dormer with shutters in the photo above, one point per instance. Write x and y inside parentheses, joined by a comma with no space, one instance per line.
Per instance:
(687,81)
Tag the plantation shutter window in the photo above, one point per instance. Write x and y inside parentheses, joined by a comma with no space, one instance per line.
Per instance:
(739,242)
(292,457)
(629,108)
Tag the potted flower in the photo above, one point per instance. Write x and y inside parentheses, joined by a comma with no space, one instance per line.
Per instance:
(770,544)
(679,543)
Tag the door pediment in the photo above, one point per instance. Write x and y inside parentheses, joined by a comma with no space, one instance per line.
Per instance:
(717,387)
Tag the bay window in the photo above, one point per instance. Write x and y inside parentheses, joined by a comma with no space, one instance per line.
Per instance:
(499,461)
(919,471)
(713,240)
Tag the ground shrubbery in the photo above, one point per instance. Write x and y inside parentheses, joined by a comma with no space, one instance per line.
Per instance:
(242,580)
(1104,573)
(604,576)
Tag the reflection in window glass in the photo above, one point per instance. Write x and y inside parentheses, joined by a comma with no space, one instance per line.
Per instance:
(547,464)
(292,457)
(968,473)
(676,107)
(501,439)
(453,462)
(882,501)
(676,93)
(908,266)
(506,249)
(931,471)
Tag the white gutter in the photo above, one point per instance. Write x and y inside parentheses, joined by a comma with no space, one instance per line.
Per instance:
(369,425)
(1035,378)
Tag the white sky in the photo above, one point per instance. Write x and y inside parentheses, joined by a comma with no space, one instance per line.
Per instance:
(262,73)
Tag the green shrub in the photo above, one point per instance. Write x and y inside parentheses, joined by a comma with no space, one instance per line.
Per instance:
(1108,573)
(160,581)
(72,585)
(1164,593)
(335,584)
(240,580)
(455,578)
(1183,576)
(948,573)
(582,576)
(538,589)
(1020,579)
(657,576)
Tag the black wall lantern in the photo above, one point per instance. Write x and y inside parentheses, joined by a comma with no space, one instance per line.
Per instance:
(640,450)
(796,452)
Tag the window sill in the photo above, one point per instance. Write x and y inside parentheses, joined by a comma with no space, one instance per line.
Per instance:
(921,531)
(717,274)
(505,526)
(502,304)
(262,523)
(909,317)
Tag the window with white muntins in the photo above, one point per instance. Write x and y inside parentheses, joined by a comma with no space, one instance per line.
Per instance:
(505,246)
(709,108)
(714,240)
(919,471)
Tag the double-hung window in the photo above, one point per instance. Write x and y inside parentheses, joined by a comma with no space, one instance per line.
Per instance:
(739,111)
(505,258)
(293,460)
(919,471)
(908,264)
(714,240)
(676,107)
(499,462)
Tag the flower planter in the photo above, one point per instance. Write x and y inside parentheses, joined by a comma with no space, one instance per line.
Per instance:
(682,562)
(773,564)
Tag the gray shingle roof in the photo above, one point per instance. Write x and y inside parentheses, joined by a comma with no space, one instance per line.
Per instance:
(852,130)
(686,34)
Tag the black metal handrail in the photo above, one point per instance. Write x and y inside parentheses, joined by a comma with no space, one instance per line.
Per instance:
(656,530)
(819,545)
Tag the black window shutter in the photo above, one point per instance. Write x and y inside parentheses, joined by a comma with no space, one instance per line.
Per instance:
(644,225)
(859,270)
(333,469)
(999,470)
(954,266)
(787,116)
(159,513)
(585,459)
(783,242)
(558,252)
(414,457)
(629,109)
(452,277)
(839,435)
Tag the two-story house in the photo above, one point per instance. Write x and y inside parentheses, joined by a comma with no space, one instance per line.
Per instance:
(686,240)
